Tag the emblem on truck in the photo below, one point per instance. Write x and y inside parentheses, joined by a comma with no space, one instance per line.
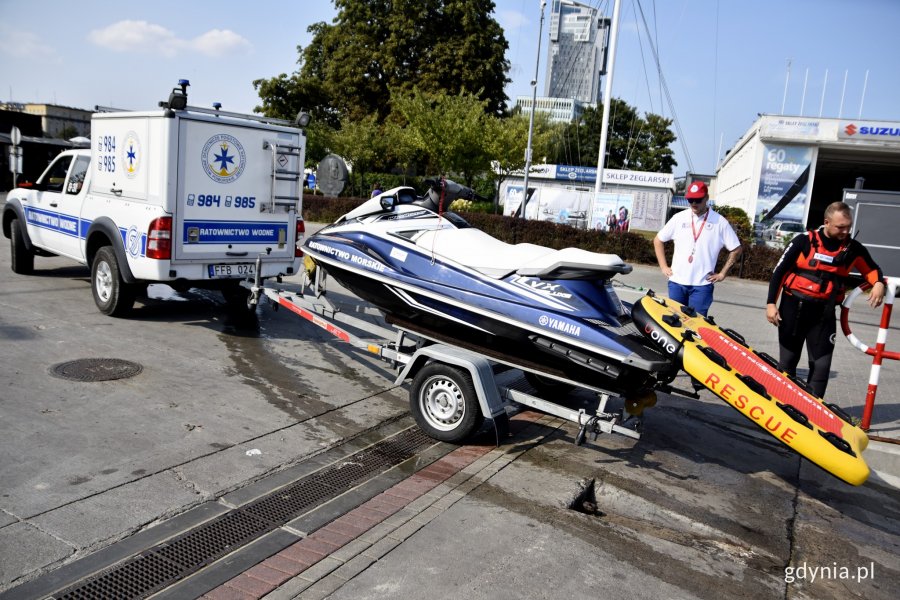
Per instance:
(223,158)
(131,154)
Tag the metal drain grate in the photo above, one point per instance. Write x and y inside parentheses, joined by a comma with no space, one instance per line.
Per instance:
(215,539)
(96,369)
(138,578)
(161,566)
(291,502)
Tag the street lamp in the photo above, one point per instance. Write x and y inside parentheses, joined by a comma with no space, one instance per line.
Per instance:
(537,63)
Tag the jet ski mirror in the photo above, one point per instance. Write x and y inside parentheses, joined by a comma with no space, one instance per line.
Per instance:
(388,202)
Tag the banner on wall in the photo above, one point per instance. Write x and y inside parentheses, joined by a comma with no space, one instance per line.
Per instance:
(650,208)
(784,182)
(611,212)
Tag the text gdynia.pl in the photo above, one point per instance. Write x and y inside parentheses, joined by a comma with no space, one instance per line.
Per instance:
(834,571)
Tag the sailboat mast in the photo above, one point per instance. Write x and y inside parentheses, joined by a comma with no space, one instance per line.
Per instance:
(604,129)
(528,151)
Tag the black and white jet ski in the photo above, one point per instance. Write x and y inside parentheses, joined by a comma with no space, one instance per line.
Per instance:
(430,272)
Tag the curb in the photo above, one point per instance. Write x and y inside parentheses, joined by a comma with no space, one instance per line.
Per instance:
(332,555)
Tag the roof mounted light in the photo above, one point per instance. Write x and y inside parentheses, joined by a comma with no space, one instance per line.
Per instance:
(302,119)
(177,98)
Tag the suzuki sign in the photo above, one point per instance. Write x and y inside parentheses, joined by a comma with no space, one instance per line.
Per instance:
(870,131)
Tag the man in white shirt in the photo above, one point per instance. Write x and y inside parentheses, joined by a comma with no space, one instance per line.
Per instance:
(699,234)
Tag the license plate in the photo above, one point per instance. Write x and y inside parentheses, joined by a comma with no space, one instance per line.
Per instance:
(232,271)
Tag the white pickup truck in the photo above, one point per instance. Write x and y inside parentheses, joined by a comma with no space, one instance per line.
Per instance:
(185,196)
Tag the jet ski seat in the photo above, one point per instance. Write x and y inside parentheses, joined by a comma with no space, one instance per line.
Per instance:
(575,263)
(477,250)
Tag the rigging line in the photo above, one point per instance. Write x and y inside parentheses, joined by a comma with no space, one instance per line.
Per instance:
(668,94)
(656,39)
(644,64)
(634,147)
(631,147)
(578,143)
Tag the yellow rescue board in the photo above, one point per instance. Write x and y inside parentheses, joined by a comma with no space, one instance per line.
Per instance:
(751,383)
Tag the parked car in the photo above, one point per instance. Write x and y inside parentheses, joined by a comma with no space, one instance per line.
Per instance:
(782,232)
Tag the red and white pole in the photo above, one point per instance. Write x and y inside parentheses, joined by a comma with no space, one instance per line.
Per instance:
(878,352)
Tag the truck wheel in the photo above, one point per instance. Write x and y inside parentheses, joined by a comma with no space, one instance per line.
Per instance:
(112,296)
(236,300)
(21,258)
(444,403)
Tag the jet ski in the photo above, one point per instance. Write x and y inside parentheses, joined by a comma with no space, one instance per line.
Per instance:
(541,309)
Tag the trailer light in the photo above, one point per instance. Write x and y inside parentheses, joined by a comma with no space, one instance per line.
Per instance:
(301,230)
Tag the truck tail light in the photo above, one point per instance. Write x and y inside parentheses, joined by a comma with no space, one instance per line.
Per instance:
(301,230)
(159,238)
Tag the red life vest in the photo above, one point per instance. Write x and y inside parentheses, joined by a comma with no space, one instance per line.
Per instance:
(821,275)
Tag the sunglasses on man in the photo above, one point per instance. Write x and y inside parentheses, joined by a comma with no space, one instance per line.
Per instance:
(696,200)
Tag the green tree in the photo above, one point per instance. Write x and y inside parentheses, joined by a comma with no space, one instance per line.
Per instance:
(640,144)
(739,221)
(376,47)
(449,131)
(506,141)
(358,142)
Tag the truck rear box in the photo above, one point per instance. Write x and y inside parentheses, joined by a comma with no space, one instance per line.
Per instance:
(232,186)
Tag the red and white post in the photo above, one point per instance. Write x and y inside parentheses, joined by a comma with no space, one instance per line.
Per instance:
(878,352)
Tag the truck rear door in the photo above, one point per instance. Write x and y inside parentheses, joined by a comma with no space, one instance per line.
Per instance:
(232,204)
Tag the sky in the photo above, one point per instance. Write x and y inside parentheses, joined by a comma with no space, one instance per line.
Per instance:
(724,61)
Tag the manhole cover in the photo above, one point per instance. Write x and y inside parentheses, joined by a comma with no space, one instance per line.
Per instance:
(96,369)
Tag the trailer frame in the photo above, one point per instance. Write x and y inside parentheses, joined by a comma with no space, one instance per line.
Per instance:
(410,352)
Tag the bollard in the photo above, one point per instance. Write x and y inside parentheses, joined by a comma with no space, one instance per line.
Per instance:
(878,352)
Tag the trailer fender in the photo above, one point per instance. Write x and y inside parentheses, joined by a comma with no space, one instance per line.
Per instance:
(492,406)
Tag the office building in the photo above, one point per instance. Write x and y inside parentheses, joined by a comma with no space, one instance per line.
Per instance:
(577,52)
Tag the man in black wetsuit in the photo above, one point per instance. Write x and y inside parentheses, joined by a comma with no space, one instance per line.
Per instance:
(811,277)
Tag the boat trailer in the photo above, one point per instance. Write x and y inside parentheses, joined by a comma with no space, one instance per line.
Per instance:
(453,388)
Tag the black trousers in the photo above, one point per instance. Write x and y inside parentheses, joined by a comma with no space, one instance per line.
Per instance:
(813,323)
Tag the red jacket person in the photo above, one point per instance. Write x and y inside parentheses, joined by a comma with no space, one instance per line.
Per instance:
(811,277)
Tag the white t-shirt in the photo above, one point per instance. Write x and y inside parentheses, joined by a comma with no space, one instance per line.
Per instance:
(715,233)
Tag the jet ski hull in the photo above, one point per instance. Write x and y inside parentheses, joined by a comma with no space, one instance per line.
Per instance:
(569,327)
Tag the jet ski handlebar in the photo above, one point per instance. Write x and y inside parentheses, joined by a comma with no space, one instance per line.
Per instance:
(451,191)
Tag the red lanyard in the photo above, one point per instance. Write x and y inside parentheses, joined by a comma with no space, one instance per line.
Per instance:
(696,233)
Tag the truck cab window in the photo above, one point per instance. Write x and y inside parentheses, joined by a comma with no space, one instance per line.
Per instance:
(79,172)
(55,177)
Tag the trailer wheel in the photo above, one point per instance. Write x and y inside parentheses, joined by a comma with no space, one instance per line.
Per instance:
(547,385)
(444,403)
(21,258)
(112,296)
